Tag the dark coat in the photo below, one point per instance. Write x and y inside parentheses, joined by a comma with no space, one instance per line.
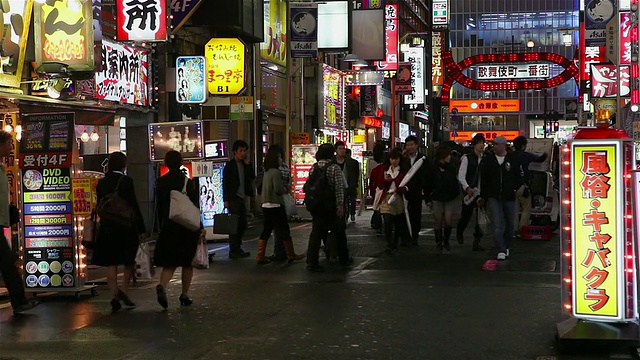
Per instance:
(420,186)
(445,182)
(231,180)
(500,181)
(115,244)
(352,170)
(176,245)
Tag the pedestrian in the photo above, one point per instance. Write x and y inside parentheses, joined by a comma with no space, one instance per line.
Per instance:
(330,215)
(273,209)
(236,183)
(469,179)
(117,244)
(395,224)
(176,245)
(418,186)
(523,195)
(445,196)
(352,170)
(8,257)
(500,177)
(376,167)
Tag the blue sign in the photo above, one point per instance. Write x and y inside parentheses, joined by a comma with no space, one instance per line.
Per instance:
(47,231)
(191,80)
(48,208)
(597,14)
(303,29)
(181,11)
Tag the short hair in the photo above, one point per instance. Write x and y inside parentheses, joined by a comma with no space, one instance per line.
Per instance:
(349,152)
(411,138)
(442,152)
(520,142)
(173,160)
(239,144)
(393,154)
(339,143)
(325,152)
(271,159)
(378,153)
(5,137)
(117,161)
(478,138)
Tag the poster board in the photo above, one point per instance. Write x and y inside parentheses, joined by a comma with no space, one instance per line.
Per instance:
(539,147)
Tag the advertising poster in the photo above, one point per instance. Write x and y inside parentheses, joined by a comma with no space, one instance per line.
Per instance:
(304,29)
(16,20)
(191,80)
(597,236)
(403,78)
(597,15)
(184,137)
(47,140)
(302,160)
(83,197)
(142,20)
(225,66)
(125,74)
(275,32)
(211,195)
(332,97)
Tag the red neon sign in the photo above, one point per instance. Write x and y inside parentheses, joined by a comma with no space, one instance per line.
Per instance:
(372,121)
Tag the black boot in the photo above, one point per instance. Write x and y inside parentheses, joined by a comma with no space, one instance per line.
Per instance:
(438,233)
(476,244)
(447,235)
(460,236)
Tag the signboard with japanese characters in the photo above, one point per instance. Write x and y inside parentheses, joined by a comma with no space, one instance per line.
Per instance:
(440,14)
(415,56)
(403,79)
(589,55)
(141,20)
(363,78)
(604,80)
(47,140)
(125,74)
(304,29)
(191,80)
(391,39)
(14,33)
(597,15)
(216,150)
(332,97)
(437,69)
(225,66)
(181,11)
(597,225)
(625,38)
(64,34)
(275,32)
(513,71)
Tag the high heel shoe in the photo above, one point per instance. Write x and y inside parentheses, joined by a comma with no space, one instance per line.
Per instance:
(162,296)
(125,299)
(115,305)
(185,300)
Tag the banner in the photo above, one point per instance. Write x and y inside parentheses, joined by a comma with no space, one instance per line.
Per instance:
(304,29)
(391,39)
(368,100)
(415,56)
(125,74)
(437,69)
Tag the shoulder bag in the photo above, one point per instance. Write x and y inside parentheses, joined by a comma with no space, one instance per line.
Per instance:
(114,208)
(181,209)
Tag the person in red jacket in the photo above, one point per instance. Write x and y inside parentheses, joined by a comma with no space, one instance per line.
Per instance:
(393,214)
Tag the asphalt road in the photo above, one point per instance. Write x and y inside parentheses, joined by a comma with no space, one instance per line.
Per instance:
(414,304)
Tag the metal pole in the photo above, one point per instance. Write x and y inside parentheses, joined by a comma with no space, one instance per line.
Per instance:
(545,113)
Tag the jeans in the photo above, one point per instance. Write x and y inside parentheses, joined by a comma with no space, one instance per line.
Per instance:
(10,274)
(502,214)
(275,219)
(415,216)
(320,225)
(237,207)
(465,217)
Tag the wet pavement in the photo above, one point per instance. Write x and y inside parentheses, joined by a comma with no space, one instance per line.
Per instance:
(413,304)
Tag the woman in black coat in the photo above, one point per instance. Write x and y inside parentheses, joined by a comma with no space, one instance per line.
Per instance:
(176,245)
(117,244)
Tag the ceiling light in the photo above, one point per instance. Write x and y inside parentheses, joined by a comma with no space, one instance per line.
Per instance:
(360,63)
(85,136)
(351,58)
(95,136)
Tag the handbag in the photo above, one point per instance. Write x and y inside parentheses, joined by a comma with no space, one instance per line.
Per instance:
(144,268)
(378,199)
(89,231)
(182,211)
(289,206)
(225,224)
(201,259)
(484,222)
(114,208)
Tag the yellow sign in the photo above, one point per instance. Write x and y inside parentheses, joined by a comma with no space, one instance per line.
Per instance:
(46,197)
(14,23)
(300,138)
(597,241)
(225,66)
(275,32)
(64,34)
(81,196)
(359,139)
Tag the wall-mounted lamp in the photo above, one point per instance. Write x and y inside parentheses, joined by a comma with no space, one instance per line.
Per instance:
(95,136)
(351,58)
(531,44)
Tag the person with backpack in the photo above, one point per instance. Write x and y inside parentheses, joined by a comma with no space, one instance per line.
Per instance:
(393,214)
(445,196)
(324,199)
(469,179)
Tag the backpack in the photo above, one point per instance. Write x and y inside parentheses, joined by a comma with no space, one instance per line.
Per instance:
(319,197)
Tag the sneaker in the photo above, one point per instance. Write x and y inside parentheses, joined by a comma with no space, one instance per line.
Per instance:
(26,306)
(502,256)
(507,252)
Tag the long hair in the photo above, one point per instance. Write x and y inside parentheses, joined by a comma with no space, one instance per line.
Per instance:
(272,160)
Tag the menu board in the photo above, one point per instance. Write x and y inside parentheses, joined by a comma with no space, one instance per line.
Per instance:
(303,157)
(211,195)
(45,160)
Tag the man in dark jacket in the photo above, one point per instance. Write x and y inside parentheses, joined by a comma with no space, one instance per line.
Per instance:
(469,178)
(236,184)
(523,195)
(418,186)
(500,177)
(352,171)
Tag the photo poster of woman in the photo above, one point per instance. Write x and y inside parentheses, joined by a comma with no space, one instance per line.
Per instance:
(210,190)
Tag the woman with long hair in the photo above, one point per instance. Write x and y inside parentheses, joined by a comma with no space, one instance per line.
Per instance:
(176,245)
(273,209)
(393,214)
(117,244)
(445,196)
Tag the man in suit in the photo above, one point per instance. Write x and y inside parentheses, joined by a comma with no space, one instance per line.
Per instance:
(352,169)
(418,186)
(236,184)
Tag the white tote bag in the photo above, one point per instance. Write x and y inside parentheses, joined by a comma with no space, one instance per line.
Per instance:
(182,210)
(144,268)
(289,205)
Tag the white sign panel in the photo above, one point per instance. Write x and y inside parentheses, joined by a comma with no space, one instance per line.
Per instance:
(202,169)
(125,74)
(415,56)
(515,71)
(440,14)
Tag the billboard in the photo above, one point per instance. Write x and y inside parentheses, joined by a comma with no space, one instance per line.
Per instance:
(225,59)
(141,20)
(391,39)
(191,80)
(333,25)
(275,32)
(184,137)
(125,74)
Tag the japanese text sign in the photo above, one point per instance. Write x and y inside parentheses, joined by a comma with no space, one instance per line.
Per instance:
(64,34)
(275,30)
(304,29)
(125,74)
(415,56)
(597,15)
(597,234)
(142,20)
(225,66)
(437,69)
(440,14)
(191,79)
(513,71)
(14,46)
(333,97)
(625,38)
(391,38)
(47,132)
(83,198)
(604,80)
